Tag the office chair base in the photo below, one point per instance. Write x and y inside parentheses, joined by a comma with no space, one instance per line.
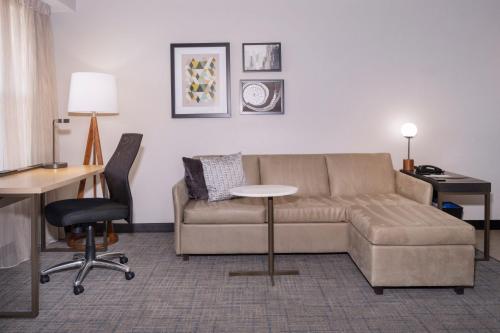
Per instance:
(77,290)
(108,255)
(77,263)
(44,279)
(87,261)
(85,265)
(113,255)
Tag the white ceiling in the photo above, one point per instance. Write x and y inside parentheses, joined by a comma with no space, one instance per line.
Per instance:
(61,6)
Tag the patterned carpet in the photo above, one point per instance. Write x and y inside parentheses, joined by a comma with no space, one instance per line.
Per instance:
(171,295)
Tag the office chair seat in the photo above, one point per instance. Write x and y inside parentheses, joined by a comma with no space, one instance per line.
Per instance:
(81,211)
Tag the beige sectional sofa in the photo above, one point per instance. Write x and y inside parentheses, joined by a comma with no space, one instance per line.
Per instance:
(355,203)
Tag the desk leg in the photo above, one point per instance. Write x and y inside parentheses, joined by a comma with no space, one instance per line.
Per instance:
(35,257)
(35,265)
(440,200)
(43,239)
(487,226)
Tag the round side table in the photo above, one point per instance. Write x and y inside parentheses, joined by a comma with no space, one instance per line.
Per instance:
(269,192)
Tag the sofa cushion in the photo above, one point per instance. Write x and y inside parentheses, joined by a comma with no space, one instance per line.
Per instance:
(240,210)
(307,172)
(352,174)
(410,225)
(308,209)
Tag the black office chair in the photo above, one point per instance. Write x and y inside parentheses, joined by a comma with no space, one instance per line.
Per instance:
(88,211)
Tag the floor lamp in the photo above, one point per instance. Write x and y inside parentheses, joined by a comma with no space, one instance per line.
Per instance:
(92,94)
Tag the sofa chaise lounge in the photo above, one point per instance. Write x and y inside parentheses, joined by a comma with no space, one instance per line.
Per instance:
(355,203)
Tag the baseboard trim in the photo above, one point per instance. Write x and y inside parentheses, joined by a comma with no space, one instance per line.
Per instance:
(121,228)
(169,227)
(479,224)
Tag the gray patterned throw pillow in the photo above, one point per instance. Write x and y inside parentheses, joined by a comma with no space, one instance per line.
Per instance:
(222,173)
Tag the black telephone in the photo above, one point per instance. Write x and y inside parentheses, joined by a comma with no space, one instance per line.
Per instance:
(428,170)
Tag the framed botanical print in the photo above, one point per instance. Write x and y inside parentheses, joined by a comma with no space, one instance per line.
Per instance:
(261,57)
(262,97)
(200,80)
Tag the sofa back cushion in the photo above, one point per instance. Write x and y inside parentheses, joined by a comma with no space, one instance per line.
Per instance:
(352,174)
(308,172)
(251,169)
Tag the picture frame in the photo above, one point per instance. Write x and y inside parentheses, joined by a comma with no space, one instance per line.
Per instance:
(261,57)
(200,80)
(262,97)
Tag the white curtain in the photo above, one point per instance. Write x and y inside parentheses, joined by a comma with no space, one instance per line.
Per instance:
(28,105)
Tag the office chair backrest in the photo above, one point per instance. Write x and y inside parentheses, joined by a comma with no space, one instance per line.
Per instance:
(118,168)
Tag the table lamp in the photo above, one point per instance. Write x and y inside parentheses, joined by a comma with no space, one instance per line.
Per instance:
(54,164)
(92,94)
(409,131)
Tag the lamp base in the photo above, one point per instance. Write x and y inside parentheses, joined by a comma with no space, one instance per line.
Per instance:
(408,165)
(55,165)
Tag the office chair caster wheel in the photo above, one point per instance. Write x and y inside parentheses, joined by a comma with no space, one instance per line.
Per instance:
(78,289)
(129,275)
(44,279)
(123,260)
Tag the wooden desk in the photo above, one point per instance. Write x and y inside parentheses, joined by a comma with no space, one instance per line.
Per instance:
(33,185)
(462,185)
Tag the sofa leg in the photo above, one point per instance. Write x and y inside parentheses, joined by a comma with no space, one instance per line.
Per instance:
(378,290)
(459,290)
(185,257)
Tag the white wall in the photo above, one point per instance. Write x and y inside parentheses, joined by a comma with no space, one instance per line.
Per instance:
(354,72)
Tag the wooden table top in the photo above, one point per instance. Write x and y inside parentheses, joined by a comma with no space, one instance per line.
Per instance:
(41,180)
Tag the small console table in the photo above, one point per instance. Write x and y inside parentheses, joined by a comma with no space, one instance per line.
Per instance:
(452,183)
(269,192)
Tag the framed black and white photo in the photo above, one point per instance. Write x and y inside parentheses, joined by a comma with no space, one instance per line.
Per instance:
(200,81)
(262,57)
(262,97)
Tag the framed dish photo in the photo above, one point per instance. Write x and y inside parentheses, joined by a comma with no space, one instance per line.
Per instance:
(200,80)
(261,57)
(262,97)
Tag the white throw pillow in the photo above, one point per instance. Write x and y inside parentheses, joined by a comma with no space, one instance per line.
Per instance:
(222,173)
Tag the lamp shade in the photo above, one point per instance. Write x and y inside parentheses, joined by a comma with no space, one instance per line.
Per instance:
(409,130)
(92,92)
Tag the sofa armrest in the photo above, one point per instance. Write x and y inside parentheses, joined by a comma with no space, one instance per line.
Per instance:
(181,198)
(413,188)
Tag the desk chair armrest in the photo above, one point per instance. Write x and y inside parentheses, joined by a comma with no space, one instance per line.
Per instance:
(181,198)
(413,188)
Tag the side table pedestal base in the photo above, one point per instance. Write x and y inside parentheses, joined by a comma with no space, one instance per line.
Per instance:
(263,273)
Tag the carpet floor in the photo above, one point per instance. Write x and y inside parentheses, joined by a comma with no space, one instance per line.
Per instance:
(171,295)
